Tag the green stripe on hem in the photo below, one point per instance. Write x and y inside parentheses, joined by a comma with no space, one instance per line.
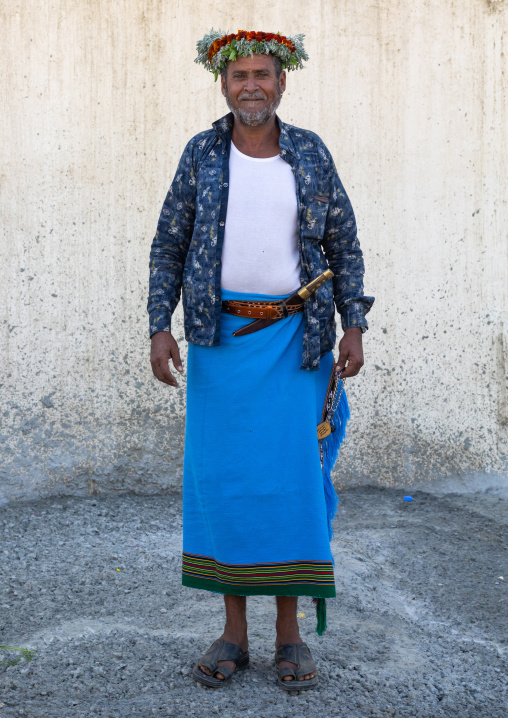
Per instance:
(302,589)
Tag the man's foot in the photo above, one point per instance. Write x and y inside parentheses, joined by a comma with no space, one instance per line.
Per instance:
(289,632)
(239,638)
(291,635)
(235,631)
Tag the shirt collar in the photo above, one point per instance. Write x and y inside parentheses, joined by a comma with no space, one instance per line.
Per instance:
(224,127)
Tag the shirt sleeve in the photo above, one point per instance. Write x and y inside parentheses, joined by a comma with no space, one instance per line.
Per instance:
(345,258)
(171,244)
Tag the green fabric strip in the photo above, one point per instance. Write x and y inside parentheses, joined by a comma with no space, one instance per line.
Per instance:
(302,589)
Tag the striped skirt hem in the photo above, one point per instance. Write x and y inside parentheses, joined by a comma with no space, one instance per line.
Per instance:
(293,578)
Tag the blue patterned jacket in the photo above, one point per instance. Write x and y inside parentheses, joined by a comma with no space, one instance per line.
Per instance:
(187,247)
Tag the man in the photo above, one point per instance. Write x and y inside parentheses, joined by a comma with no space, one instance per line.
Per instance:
(255,212)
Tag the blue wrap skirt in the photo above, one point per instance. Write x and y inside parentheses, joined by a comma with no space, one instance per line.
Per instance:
(254,510)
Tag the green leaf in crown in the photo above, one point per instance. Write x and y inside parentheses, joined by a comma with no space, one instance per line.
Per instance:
(216,48)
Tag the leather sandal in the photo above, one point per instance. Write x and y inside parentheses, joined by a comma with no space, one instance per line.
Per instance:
(300,654)
(220,650)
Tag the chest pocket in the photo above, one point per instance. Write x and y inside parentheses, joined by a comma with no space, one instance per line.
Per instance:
(315,210)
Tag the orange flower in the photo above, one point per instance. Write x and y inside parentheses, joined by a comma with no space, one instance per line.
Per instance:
(212,50)
(249,35)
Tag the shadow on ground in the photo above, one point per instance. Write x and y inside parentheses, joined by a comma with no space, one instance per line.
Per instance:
(418,628)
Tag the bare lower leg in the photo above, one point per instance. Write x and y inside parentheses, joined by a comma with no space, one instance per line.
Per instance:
(235,630)
(288,630)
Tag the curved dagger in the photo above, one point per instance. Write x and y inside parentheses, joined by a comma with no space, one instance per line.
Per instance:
(296,298)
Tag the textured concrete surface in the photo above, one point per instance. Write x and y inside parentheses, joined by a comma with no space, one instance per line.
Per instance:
(418,628)
(98,101)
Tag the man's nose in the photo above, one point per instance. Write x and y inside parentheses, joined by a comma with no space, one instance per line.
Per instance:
(251,84)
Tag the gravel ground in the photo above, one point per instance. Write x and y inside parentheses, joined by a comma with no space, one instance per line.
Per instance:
(418,628)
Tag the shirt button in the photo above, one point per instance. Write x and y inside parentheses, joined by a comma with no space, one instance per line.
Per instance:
(225,184)
(222,224)
(217,262)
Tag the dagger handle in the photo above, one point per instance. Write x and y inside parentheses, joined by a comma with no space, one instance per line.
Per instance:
(310,288)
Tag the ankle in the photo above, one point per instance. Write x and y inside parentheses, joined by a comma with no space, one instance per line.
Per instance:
(287,632)
(236,628)
(286,624)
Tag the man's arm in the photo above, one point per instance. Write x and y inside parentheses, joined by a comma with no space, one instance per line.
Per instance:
(167,259)
(342,251)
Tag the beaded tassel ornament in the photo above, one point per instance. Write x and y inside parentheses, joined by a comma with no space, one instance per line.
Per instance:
(331,433)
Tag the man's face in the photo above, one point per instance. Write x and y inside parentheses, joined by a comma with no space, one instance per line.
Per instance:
(252,90)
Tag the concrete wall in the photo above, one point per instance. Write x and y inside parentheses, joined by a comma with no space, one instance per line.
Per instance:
(99,100)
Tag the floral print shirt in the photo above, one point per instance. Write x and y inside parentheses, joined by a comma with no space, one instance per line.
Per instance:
(186,250)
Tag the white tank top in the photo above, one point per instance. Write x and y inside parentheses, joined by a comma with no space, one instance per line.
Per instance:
(260,251)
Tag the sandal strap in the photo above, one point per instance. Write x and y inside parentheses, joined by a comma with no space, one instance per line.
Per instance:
(298,653)
(221,650)
(287,671)
(230,652)
(224,670)
(306,663)
(287,652)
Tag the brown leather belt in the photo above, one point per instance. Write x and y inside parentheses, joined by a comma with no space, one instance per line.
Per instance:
(266,313)
(261,309)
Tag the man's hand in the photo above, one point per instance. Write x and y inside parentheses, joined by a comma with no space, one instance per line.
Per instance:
(164,348)
(350,353)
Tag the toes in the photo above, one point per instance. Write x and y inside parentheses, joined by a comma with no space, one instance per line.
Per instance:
(219,676)
(307,676)
(288,678)
(204,669)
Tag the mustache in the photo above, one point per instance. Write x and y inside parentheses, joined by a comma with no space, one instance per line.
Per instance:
(253,96)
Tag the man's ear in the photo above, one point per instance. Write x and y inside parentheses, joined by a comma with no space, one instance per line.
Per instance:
(282,81)
(223,85)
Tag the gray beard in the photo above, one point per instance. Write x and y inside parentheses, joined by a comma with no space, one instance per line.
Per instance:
(254,119)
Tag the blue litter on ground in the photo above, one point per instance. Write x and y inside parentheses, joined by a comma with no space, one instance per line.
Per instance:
(408,498)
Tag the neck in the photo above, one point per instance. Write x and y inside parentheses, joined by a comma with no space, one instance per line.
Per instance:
(260,141)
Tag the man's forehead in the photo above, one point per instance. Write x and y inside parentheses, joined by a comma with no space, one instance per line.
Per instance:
(252,64)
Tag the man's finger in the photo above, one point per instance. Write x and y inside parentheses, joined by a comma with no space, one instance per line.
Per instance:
(352,369)
(341,361)
(162,372)
(175,356)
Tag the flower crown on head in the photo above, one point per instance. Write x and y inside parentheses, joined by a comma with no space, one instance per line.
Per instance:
(216,49)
